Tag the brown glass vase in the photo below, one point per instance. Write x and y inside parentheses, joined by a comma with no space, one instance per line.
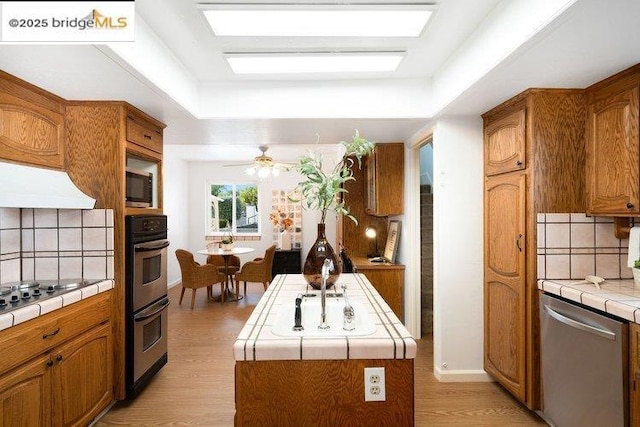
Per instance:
(320,251)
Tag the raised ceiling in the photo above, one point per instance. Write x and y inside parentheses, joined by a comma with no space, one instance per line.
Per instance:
(472,55)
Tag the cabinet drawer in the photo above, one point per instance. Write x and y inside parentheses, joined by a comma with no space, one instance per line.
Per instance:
(26,340)
(145,136)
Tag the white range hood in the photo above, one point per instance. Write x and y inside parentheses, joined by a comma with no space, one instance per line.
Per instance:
(32,187)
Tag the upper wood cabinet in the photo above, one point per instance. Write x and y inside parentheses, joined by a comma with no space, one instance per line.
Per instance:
(385,180)
(613,145)
(505,143)
(32,124)
(144,137)
(544,130)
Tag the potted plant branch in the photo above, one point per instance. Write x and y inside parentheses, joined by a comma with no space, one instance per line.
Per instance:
(321,190)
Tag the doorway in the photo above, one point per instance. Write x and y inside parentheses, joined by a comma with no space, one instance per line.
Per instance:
(426,238)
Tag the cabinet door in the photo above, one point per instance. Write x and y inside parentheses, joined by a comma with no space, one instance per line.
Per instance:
(31,133)
(82,377)
(25,399)
(504,138)
(390,285)
(634,373)
(613,150)
(385,180)
(504,281)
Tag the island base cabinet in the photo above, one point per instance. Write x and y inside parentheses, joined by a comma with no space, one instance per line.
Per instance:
(322,392)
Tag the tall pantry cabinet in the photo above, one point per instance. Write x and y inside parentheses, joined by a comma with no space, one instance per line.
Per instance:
(534,150)
(103,138)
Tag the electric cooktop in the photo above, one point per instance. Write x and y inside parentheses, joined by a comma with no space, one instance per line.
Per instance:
(14,295)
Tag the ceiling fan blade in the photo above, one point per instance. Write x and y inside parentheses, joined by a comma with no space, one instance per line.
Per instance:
(239,164)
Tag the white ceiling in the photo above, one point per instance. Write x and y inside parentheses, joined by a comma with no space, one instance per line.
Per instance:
(584,42)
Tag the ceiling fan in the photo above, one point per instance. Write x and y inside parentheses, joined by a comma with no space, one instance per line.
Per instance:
(264,165)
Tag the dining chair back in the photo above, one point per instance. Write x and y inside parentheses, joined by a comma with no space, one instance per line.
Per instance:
(196,276)
(258,270)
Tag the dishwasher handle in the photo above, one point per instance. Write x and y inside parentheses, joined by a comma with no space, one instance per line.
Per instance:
(579,325)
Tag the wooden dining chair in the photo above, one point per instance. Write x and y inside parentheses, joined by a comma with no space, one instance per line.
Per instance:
(258,270)
(196,276)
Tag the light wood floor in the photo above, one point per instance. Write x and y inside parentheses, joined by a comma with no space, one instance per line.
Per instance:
(196,387)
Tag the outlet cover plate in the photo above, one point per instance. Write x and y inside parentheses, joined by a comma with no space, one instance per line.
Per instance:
(374,385)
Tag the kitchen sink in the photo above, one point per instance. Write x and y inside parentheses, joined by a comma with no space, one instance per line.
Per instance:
(311,313)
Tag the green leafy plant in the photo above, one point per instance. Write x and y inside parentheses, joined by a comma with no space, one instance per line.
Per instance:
(636,263)
(320,190)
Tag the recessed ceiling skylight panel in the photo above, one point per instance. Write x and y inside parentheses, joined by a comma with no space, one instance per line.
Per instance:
(318,23)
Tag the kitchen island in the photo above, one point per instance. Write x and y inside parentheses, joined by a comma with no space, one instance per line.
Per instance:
(313,379)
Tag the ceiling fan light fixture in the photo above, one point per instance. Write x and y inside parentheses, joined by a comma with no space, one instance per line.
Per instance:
(318,20)
(264,172)
(251,171)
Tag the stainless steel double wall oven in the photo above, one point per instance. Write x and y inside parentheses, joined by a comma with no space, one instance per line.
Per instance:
(146,299)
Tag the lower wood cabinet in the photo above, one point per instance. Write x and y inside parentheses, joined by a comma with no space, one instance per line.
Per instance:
(388,279)
(634,374)
(68,384)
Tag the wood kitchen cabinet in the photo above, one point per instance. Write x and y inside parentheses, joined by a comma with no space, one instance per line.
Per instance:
(634,374)
(613,145)
(385,180)
(505,285)
(32,128)
(504,146)
(102,138)
(549,125)
(60,367)
(387,279)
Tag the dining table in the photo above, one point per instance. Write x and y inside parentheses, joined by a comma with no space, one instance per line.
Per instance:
(226,254)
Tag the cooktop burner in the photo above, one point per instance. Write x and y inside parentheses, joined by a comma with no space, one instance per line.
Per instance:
(15,295)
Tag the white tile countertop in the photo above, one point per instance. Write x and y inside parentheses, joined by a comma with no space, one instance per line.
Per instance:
(256,341)
(616,297)
(48,305)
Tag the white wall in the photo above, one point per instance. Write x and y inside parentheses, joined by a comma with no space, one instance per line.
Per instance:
(175,185)
(458,249)
(199,173)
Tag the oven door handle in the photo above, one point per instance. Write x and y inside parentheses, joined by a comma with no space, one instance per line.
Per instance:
(152,311)
(151,246)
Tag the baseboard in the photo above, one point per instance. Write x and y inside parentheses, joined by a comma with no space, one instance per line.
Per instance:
(172,284)
(462,376)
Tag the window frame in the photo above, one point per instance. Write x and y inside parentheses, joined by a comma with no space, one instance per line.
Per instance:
(234,230)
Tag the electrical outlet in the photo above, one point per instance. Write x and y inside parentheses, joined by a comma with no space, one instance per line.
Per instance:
(374,385)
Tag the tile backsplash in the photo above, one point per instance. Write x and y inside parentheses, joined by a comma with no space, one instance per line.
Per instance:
(573,245)
(55,243)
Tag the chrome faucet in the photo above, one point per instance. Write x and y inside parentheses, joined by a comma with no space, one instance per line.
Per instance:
(326,268)
(348,323)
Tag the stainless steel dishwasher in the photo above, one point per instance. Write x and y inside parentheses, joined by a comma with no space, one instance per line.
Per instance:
(584,366)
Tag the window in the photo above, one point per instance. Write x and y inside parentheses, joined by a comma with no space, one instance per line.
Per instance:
(232,208)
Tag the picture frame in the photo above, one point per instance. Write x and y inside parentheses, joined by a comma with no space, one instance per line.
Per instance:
(393,236)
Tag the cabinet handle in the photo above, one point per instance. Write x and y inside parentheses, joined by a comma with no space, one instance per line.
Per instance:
(518,242)
(629,205)
(147,136)
(59,357)
(518,163)
(49,363)
(50,334)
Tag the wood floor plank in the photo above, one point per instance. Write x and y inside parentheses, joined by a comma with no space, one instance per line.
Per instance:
(196,387)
